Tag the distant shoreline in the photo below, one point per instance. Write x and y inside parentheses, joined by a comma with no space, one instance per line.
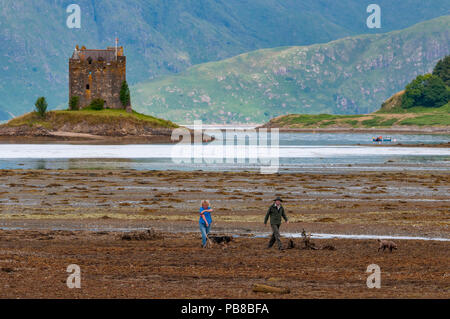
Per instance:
(409,130)
(417,120)
(437,145)
(97,140)
(91,139)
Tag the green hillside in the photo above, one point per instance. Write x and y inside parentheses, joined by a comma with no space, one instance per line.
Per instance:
(417,116)
(423,103)
(165,37)
(348,76)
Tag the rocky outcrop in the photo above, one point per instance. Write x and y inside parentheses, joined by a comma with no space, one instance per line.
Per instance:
(393,102)
(23,130)
(77,124)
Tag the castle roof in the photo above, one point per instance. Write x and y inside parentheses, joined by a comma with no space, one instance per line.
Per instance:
(107,55)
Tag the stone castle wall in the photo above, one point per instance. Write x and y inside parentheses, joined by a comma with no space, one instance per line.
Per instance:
(91,79)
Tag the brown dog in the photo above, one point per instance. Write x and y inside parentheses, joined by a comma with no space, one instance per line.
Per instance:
(387,244)
(219,240)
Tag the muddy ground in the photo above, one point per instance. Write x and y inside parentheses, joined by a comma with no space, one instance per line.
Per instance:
(33,264)
(53,218)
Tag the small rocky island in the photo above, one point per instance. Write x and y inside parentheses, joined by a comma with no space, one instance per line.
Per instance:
(105,126)
(99,107)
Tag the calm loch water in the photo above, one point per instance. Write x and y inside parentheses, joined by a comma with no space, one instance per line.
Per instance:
(296,152)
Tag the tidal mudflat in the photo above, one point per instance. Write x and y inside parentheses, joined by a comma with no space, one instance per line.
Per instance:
(53,218)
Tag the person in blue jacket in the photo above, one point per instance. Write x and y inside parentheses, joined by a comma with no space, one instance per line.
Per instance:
(205,220)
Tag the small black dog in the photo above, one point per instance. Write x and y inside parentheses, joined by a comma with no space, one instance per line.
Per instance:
(220,239)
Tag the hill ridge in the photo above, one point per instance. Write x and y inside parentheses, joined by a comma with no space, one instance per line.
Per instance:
(345,76)
(163,37)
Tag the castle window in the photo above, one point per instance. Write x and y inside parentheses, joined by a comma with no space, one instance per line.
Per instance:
(87,86)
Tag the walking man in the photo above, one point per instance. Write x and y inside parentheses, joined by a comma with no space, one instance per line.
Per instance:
(276,211)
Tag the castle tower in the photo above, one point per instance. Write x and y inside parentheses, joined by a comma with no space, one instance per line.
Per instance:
(97,74)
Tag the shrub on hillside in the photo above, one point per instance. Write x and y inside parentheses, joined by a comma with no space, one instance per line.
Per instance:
(442,70)
(425,90)
(74,103)
(41,106)
(97,104)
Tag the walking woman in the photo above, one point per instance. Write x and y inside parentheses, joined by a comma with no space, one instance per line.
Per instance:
(205,220)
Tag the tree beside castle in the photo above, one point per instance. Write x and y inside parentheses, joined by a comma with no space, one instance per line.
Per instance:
(125,95)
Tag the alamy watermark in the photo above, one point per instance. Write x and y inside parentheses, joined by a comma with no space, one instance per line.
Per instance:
(74,19)
(74,279)
(374,20)
(374,279)
(253,147)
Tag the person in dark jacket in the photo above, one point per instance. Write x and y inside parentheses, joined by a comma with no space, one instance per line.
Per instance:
(275,212)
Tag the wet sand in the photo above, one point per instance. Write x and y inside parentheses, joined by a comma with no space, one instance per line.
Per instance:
(52,218)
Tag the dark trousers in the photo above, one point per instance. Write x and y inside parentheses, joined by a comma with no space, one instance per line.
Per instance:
(275,236)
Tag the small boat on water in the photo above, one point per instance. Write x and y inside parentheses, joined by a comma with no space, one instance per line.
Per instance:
(381,139)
